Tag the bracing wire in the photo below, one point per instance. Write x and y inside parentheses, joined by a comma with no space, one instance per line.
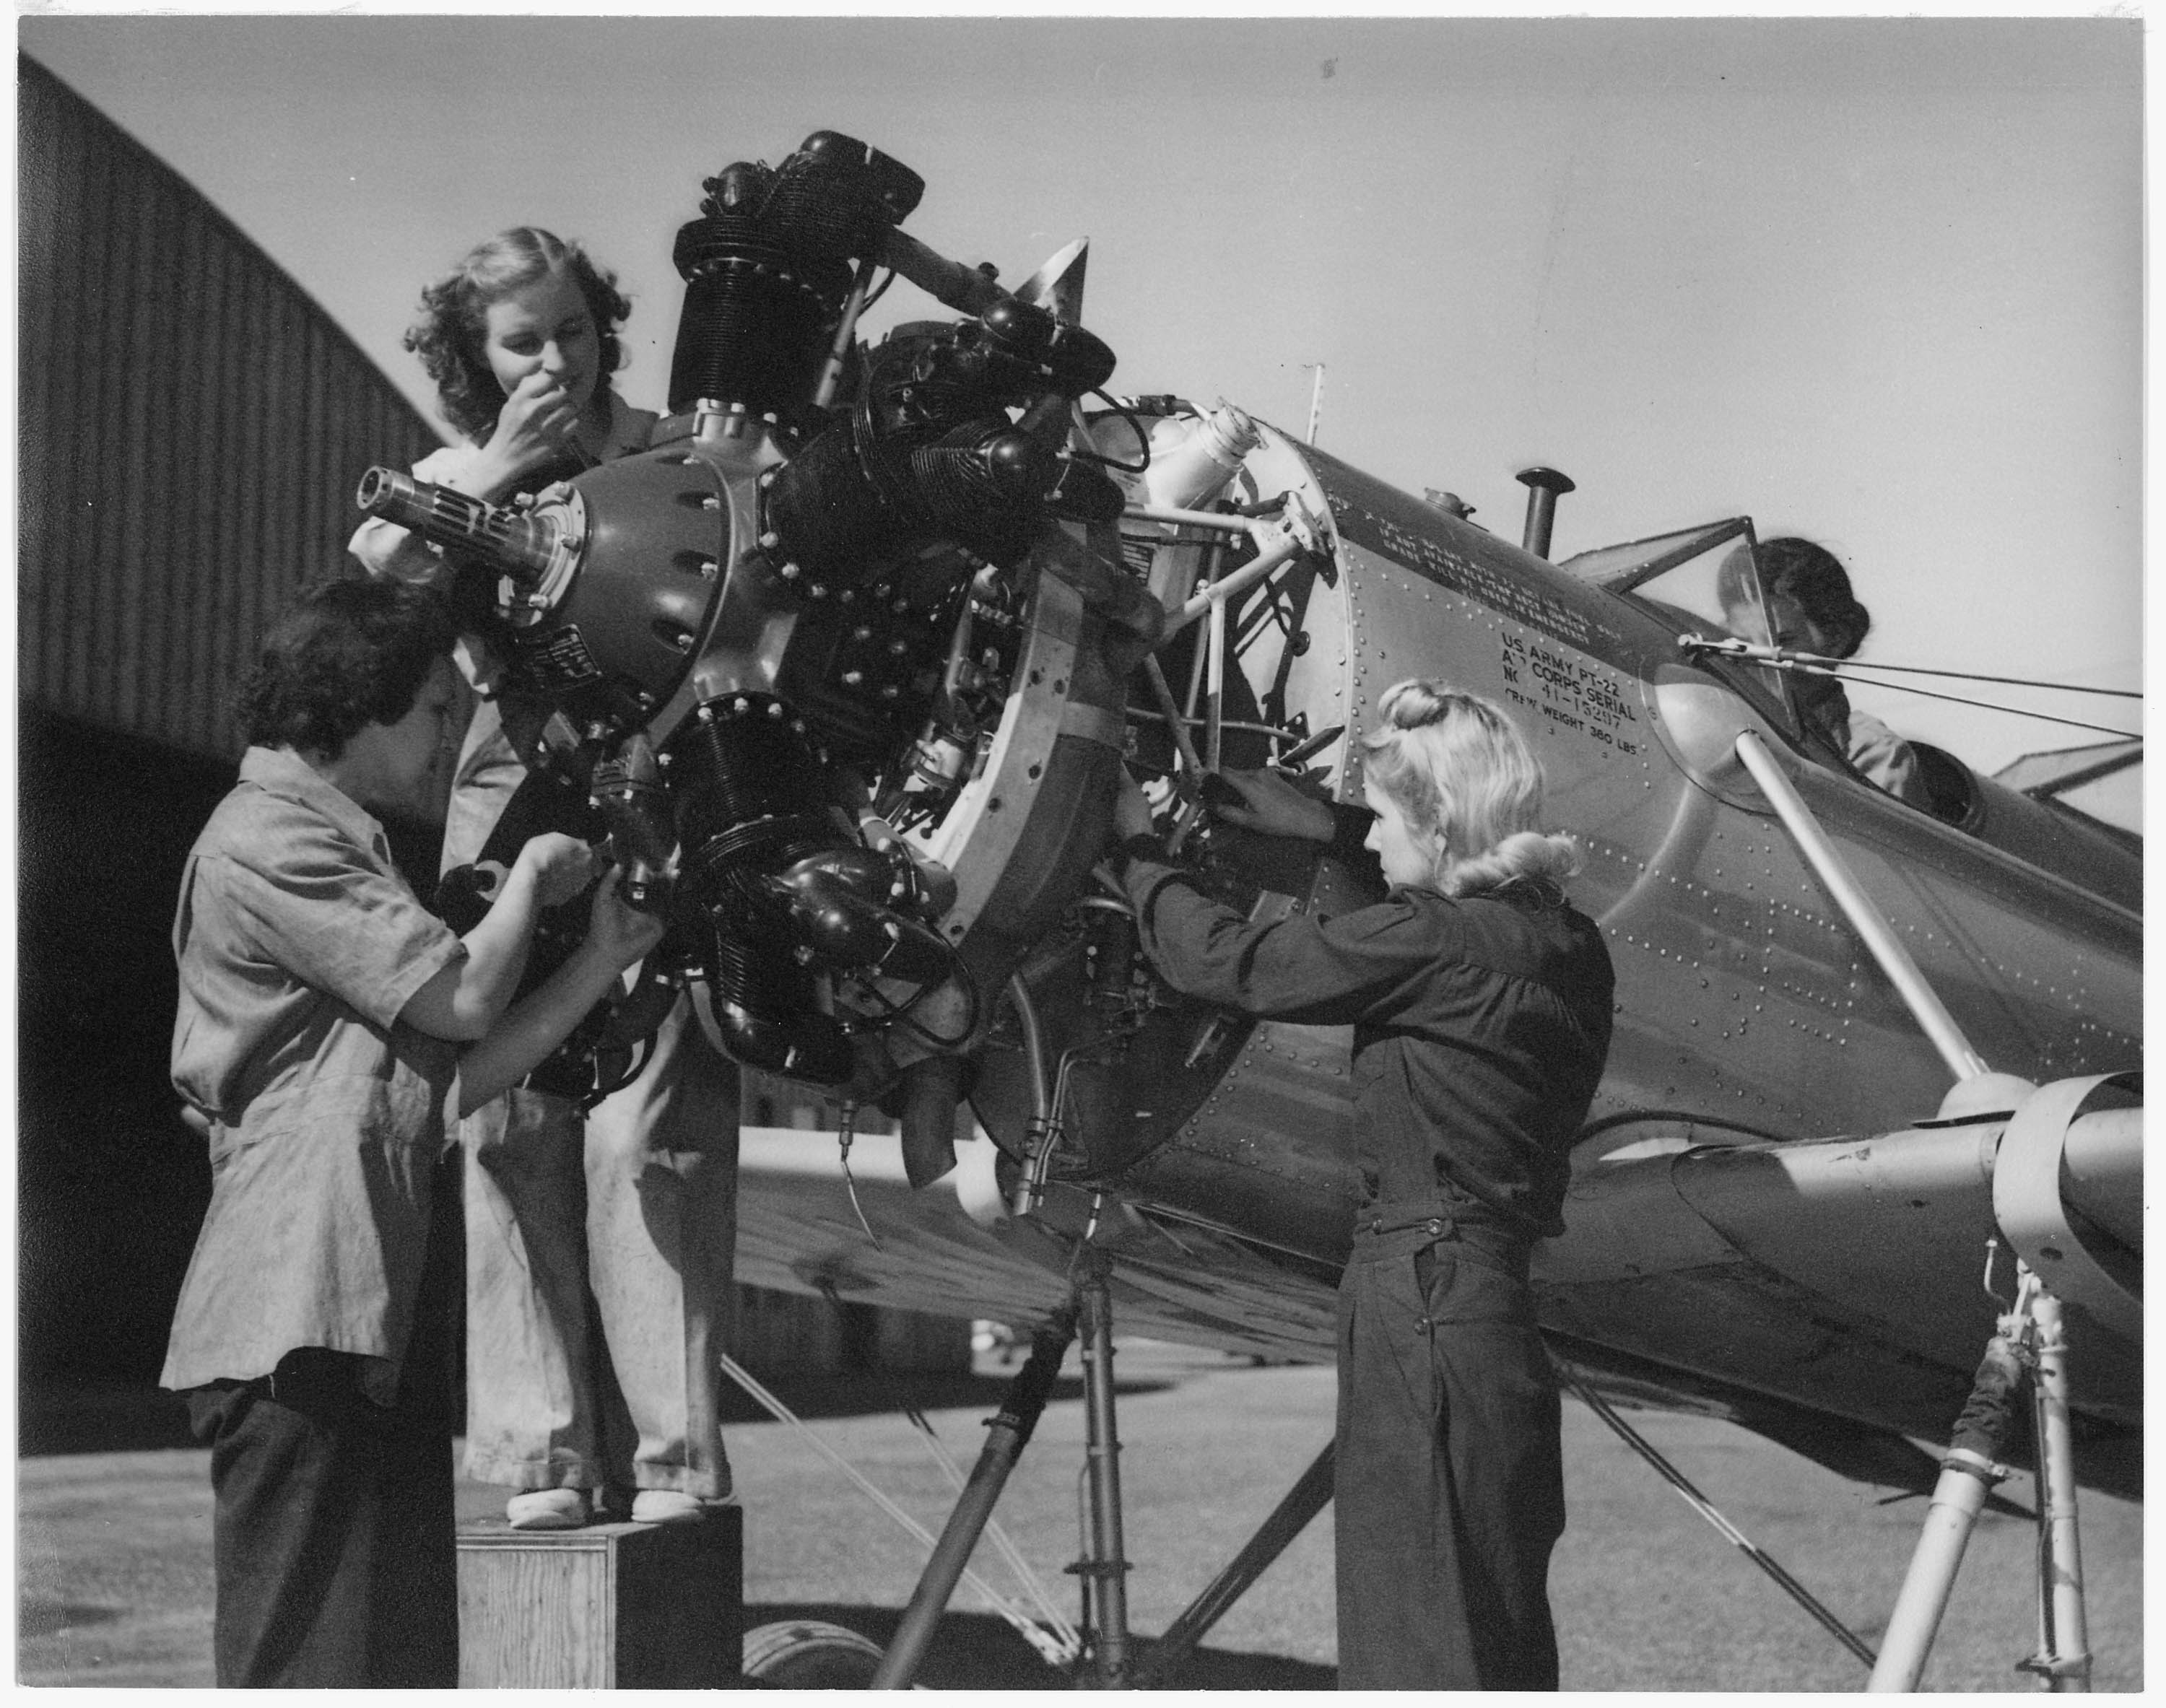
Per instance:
(2122,693)
(1050,1647)
(1816,664)
(1729,1533)
(1960,700)
(1784,655)
(1021,1567)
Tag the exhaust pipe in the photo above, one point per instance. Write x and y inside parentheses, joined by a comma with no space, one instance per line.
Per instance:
(933,1090)
(1543,485)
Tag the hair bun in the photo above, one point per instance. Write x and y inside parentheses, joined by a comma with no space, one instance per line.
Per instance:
(1410,704)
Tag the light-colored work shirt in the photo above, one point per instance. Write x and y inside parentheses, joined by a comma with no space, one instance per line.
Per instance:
(1885,760)
(1875,751)
(298,944)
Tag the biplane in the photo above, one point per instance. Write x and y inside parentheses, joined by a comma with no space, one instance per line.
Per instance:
(847,663)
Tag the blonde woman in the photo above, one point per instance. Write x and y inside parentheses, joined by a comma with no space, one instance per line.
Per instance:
(1480,1001)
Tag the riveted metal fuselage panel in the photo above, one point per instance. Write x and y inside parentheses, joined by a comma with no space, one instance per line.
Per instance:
(1748,1010)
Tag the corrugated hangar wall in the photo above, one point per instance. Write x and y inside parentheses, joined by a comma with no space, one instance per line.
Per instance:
(191,427)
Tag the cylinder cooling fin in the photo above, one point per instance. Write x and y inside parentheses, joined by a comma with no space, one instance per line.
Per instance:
(758,306)
(747,785)
(767,268)
(746,782)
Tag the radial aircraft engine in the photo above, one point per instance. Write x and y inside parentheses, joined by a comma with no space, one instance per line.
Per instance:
(848,660)
(795,622)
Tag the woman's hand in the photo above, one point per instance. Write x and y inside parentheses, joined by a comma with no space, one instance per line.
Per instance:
(1131,812)
(538,424)
(620,933)
(558,866)
(1275,806)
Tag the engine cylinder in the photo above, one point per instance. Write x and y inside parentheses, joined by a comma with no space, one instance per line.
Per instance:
(748,790)
(752,332)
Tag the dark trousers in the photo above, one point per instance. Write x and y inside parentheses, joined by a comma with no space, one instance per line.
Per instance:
(333,1535)
(1449,1484)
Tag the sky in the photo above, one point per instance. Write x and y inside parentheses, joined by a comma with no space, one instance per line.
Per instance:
(1874,281)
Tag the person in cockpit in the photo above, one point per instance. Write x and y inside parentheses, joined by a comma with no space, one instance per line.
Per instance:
(1480,1003)
(1804,593)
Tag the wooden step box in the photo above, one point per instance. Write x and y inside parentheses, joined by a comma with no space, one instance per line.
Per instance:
(621,1606)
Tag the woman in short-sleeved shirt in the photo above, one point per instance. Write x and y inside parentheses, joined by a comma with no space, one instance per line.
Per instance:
(318,1044)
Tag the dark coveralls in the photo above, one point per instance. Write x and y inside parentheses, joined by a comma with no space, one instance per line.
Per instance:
(1480,1028)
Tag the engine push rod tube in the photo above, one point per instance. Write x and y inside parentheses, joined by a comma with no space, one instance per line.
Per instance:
(1007,1436)
(838,350)
(1865,918)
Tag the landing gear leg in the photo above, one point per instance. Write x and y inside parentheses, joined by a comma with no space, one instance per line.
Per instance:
(2063,1660)
(1104,1567)
(2029,1335)
(1009,1434)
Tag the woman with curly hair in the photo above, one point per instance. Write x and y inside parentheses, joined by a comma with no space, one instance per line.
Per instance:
(327,1025)
(1480,1000)
(520,338)
(625,1214)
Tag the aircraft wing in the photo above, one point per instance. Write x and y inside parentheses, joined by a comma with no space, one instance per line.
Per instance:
(951,1249)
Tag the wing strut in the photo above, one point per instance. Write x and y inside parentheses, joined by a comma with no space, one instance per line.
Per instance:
(1920,997)
(2030,1334)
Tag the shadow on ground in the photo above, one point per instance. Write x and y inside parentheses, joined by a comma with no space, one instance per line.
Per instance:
(980,1651)
(91,1418)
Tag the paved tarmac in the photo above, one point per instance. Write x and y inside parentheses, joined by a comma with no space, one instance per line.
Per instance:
(113,1546)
